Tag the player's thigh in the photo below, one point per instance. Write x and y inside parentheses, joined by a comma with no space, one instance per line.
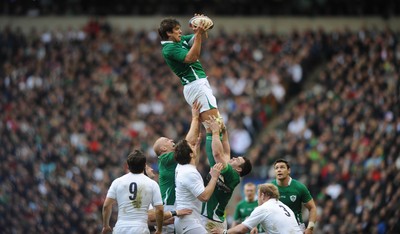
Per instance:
(201,92)
(206,114)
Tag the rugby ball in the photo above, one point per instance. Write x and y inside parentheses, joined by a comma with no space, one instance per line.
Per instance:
(195,22)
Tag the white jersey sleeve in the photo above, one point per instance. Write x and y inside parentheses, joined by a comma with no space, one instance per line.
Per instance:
(112,191)
(256,217)
(157,200)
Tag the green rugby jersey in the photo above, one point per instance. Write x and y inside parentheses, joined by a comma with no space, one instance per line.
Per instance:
(294,195)
(214,208)
(243,210)
(174,54)
(166,178)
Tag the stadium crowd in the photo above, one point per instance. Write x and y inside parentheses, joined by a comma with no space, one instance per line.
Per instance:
(74,103)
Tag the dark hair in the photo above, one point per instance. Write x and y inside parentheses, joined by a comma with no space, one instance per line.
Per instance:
(182,152)
(281,160)
(167,25)
(136,161)
(246,167)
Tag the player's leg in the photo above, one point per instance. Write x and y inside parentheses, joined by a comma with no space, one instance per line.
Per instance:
(200,91)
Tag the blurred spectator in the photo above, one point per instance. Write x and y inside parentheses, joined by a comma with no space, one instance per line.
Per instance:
(73,105)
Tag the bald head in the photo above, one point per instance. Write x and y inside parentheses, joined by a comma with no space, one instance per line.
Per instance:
(163,145)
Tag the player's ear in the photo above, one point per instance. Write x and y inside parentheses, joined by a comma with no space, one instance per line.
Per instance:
(169,33)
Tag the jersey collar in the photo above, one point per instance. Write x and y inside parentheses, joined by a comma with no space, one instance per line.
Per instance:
(290,181)
(165,42)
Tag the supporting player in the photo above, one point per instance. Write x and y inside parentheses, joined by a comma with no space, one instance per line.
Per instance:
(233,169)
(164,148)
(190,190)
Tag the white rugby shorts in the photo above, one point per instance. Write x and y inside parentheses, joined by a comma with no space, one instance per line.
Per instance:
(201,91)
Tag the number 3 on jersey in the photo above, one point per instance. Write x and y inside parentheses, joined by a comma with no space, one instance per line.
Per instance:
(133,190)
(286,212)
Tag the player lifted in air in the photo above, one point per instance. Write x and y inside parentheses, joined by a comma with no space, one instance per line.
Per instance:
(182,53)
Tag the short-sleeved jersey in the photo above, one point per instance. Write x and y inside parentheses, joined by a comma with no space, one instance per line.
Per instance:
(166,179)
(134,193)
(174,54)
(214,208)
(243,210)
(189,185)
(274,217)
(294,195)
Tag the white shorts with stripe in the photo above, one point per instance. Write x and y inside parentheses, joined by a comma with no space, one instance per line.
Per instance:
(201,91)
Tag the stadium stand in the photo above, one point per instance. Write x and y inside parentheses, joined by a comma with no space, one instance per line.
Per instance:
(75,102)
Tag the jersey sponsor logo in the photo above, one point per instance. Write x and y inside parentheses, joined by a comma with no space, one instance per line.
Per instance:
(293,198)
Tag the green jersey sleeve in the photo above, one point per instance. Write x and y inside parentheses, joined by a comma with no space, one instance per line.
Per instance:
(306,195)
(174,51)
(236,215)
(188,38)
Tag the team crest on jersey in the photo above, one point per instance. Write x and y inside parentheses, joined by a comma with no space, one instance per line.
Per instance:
(293,198)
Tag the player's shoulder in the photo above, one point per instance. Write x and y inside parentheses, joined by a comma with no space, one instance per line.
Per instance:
(242,203)
(297,183)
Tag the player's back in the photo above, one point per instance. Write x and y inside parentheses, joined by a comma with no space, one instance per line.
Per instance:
(135,192)
(279,218)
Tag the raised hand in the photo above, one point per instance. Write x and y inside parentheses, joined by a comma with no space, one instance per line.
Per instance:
(216,170)
(196,109)
(213,124)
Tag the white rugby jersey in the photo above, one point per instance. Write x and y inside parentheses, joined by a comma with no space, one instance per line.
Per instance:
(134,193)
(189,185)
(275,217)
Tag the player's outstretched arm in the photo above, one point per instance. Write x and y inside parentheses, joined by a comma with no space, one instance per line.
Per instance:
(167,215)
(209,189)
(220,155)
(194,53)
(193,133)
(225,143)
(237,229)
